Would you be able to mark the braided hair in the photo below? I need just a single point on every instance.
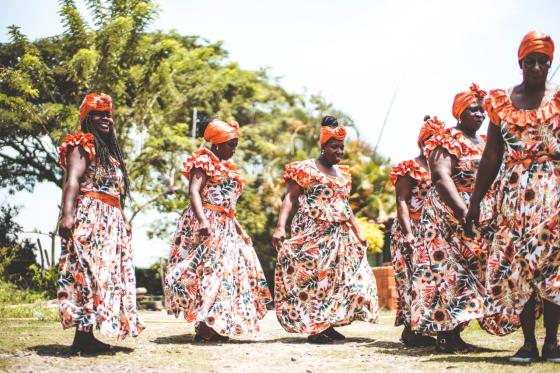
(104, 149)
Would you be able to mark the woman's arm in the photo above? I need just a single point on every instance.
(356, 229)
(489, 167)
(441, 164)
(293, 193)
(403, 190)
(197, 180)
(77, 163)
(241, 232)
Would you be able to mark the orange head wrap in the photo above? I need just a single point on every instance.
(536, 42)
(95, 102)
(219, 131)
(464, 99)
(327, 133)
(430, 127)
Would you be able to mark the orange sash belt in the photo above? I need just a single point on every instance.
(526, 162)
(228, 213)
(105, 198)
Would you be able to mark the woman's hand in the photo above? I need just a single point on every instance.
(278, 237)
(409, 238)
(65, 226)
(362, 239)
(472, 217)
(203, 229)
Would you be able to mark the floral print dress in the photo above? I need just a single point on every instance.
(525, 249)
(401, 252)
(217, 280)
(448, 281)
(322, 275)
(97, 284)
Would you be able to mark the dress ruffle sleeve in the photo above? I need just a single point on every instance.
(205, 160)
(410, 168)
(445, 140)
(300, 172)
(85, 140)
(500, 109)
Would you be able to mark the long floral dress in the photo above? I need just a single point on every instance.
(97, 284)
(217, 280)
(448, 287)
(525, 249)
(322, 275)
(401, 252)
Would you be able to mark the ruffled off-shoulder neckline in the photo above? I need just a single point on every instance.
(302, 172)
(411, 168)
(214, 168)
(79, 138)
(499, 107)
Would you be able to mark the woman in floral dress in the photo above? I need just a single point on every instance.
(524, 139)
(214, 276)
(97, 285)
(449, 267)
(412, 181)
(322, 276)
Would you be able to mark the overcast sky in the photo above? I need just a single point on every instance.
(355, 53)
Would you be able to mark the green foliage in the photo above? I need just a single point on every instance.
(10, 294)
(16, 256)
(156, 80)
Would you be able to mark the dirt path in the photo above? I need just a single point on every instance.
(166, 346)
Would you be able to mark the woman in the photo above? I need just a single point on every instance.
(412, 181)
(524, 139)
(214, 276)
(97, 285)
(322, 276)
(449, 267)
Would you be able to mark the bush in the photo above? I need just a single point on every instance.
(10, 294)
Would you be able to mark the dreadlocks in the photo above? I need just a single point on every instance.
(104, 150)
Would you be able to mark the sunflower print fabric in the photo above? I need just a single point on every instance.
(217, 280)
(97, 284)
(401, 252)
(448, 281)
(322, 276)
(525, 248)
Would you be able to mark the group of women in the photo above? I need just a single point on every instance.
(477, 236)
(464, 247)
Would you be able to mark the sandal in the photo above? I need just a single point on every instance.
(551, 352)
(333, 334)
(319, 339)
(526, 354)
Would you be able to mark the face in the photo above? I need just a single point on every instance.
(102, 121)
(333, 150)
(473, 116)
(535, 68)
(226, 149)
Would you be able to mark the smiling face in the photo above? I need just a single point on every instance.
(473, 116)
(226, 150)
(333, 151)
(102, 121)
(535, 68)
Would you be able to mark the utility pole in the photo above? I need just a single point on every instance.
(194, 122)
(385, 120)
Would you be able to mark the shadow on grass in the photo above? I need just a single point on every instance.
(397, 348)
(189, 339)
(498, 360)
(63, 351)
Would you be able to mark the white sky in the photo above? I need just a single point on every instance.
(353, 52)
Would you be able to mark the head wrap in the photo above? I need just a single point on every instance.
(327, 133)
(219, 131)
(430, 127)
(95, 102)
(536, 42)
(464, 99)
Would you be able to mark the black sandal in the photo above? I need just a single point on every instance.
(551, 352)
(319, 339)
(526, 354)
(333, 334)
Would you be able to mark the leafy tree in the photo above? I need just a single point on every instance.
(157, 79)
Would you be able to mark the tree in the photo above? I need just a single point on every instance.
(157, 79)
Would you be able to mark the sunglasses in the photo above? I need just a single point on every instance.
(532, 61)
